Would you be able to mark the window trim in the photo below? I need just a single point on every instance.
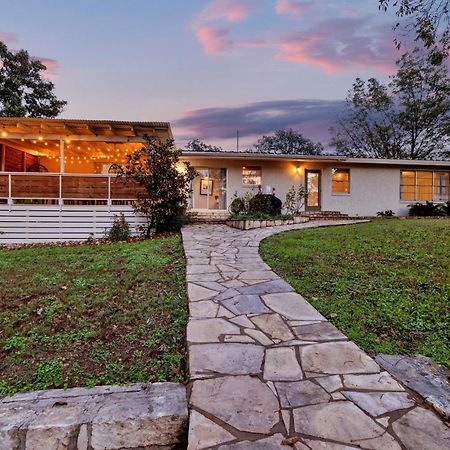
(339, 194)
(415, 171)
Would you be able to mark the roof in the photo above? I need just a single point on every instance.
(316, 158)
(80, 127)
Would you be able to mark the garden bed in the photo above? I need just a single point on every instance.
(250, 224)
(92, 315)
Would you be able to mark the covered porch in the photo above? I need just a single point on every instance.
(58, 177)
(69, 162)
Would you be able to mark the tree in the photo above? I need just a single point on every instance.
(408, 119)
(429, 20)
(24, 92)
(288, 142)
(165, 183)
(196, 145)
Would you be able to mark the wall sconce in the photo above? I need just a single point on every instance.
(298, 170)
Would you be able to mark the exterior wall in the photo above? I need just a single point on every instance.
(373, 188)
(280, 175)
(23, 224)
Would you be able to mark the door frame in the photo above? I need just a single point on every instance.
(319, 207)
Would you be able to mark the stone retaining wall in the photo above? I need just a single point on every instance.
(248, 224)
(151, 416)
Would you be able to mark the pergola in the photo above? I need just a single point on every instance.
(74, 140)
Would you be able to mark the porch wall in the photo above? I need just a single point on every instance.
(23, 224)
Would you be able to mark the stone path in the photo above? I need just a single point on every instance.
(269, 372)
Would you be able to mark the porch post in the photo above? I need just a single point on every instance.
(61, 170)
(61, 155)
(2, 157)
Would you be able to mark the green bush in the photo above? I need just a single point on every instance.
(237, 206)
(120, 230)
(445, 208)
(387, 213)
(426, 209)
(265, 203)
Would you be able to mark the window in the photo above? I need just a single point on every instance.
(340, 181)
(251, 176)
(441, 193)
(422, 185)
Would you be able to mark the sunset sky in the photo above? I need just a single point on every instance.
(209, 67)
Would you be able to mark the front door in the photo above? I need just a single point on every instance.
(313, 181)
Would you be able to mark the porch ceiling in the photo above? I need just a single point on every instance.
(74, 150)
(74, 127)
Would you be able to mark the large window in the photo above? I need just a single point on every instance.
(422, 185)
(251, 176)
(340, 181)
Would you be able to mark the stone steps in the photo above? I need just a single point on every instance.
(210, 216)
(325, 215)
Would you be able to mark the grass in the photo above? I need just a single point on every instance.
(92, 315)
(386, 284)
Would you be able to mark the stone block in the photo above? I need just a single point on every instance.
(156, 416)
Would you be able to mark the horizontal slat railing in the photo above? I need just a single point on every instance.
(70, 189)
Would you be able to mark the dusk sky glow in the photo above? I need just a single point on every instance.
(209, 67)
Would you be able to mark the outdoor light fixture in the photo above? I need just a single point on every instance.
(298, 169)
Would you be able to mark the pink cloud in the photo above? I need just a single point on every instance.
(51, 64)
(214, 40)
(232, 11)
(8, 38)
(335, 45)
(291, 7)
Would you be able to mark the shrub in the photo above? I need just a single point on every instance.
(237, 205)
(425, 209)
(387, 213)
(265, 203)
(295, 199)
(445, 208)
(120, 230)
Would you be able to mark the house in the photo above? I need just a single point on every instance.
(352, 186)
(57, 178)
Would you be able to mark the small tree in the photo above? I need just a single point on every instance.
(24, 92)
(288, 142)
(295, 199)
(165, 181)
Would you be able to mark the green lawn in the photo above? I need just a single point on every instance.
(92, 315)
(386, 284)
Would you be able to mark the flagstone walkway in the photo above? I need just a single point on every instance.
(270, 372)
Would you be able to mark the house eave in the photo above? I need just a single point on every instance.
(315, 158)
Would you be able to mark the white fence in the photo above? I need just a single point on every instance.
(23, 223)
